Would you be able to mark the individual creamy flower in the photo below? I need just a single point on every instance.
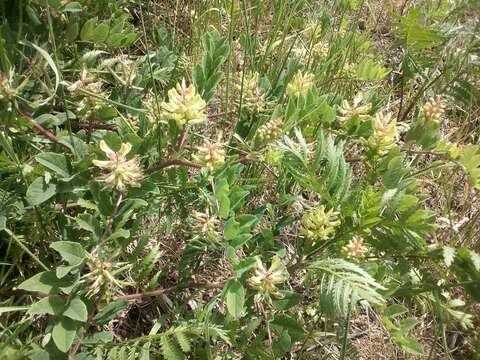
(384, 133)
(300, 84)
(358, 108)
(211, 155)
(318, 224)
(434, 109)
(271, 130)
(355, 248)
(206, 224)
(121, 172)
(184, 106)
(265, 281)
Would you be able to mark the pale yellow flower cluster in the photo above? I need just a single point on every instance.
(265, 280)
(355, 247)
(384, 133)
(211, 155)
(271, 130)
(434, 109)
(184, 106)
(253, 97)
(357, 108)
(300, 84)
(120, 171)
(318, 224)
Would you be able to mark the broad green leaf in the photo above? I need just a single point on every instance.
(76, 310)
(52, 305)
(55, 162)
(245, 265)
(287, 323)
(231, 229)
(90, 223)
(407, 324)
(224, 209)
(395, 310)
(63, 270)
(39, 192)
(46, 282)
(287, 300)
(100, 34)
(88, 29)
(63, 334)
(72, 252)
(282, 344)
(235, 298)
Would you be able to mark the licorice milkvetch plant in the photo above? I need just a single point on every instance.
(238, 179)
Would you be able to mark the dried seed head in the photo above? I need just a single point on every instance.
(300, 84)
(355, 248)
(211, 155)
(120, 171)
(434, 109)
(184, 106)
(271, 130)
(318, 224)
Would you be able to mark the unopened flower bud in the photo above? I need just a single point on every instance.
(318, 224)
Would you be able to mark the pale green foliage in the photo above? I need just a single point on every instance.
(342, 284)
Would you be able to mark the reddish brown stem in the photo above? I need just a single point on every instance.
(41, 129)
(139, 296)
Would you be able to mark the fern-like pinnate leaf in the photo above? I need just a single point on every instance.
(170, 350)
(343, 284)
(183, 341)
(323, 170)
